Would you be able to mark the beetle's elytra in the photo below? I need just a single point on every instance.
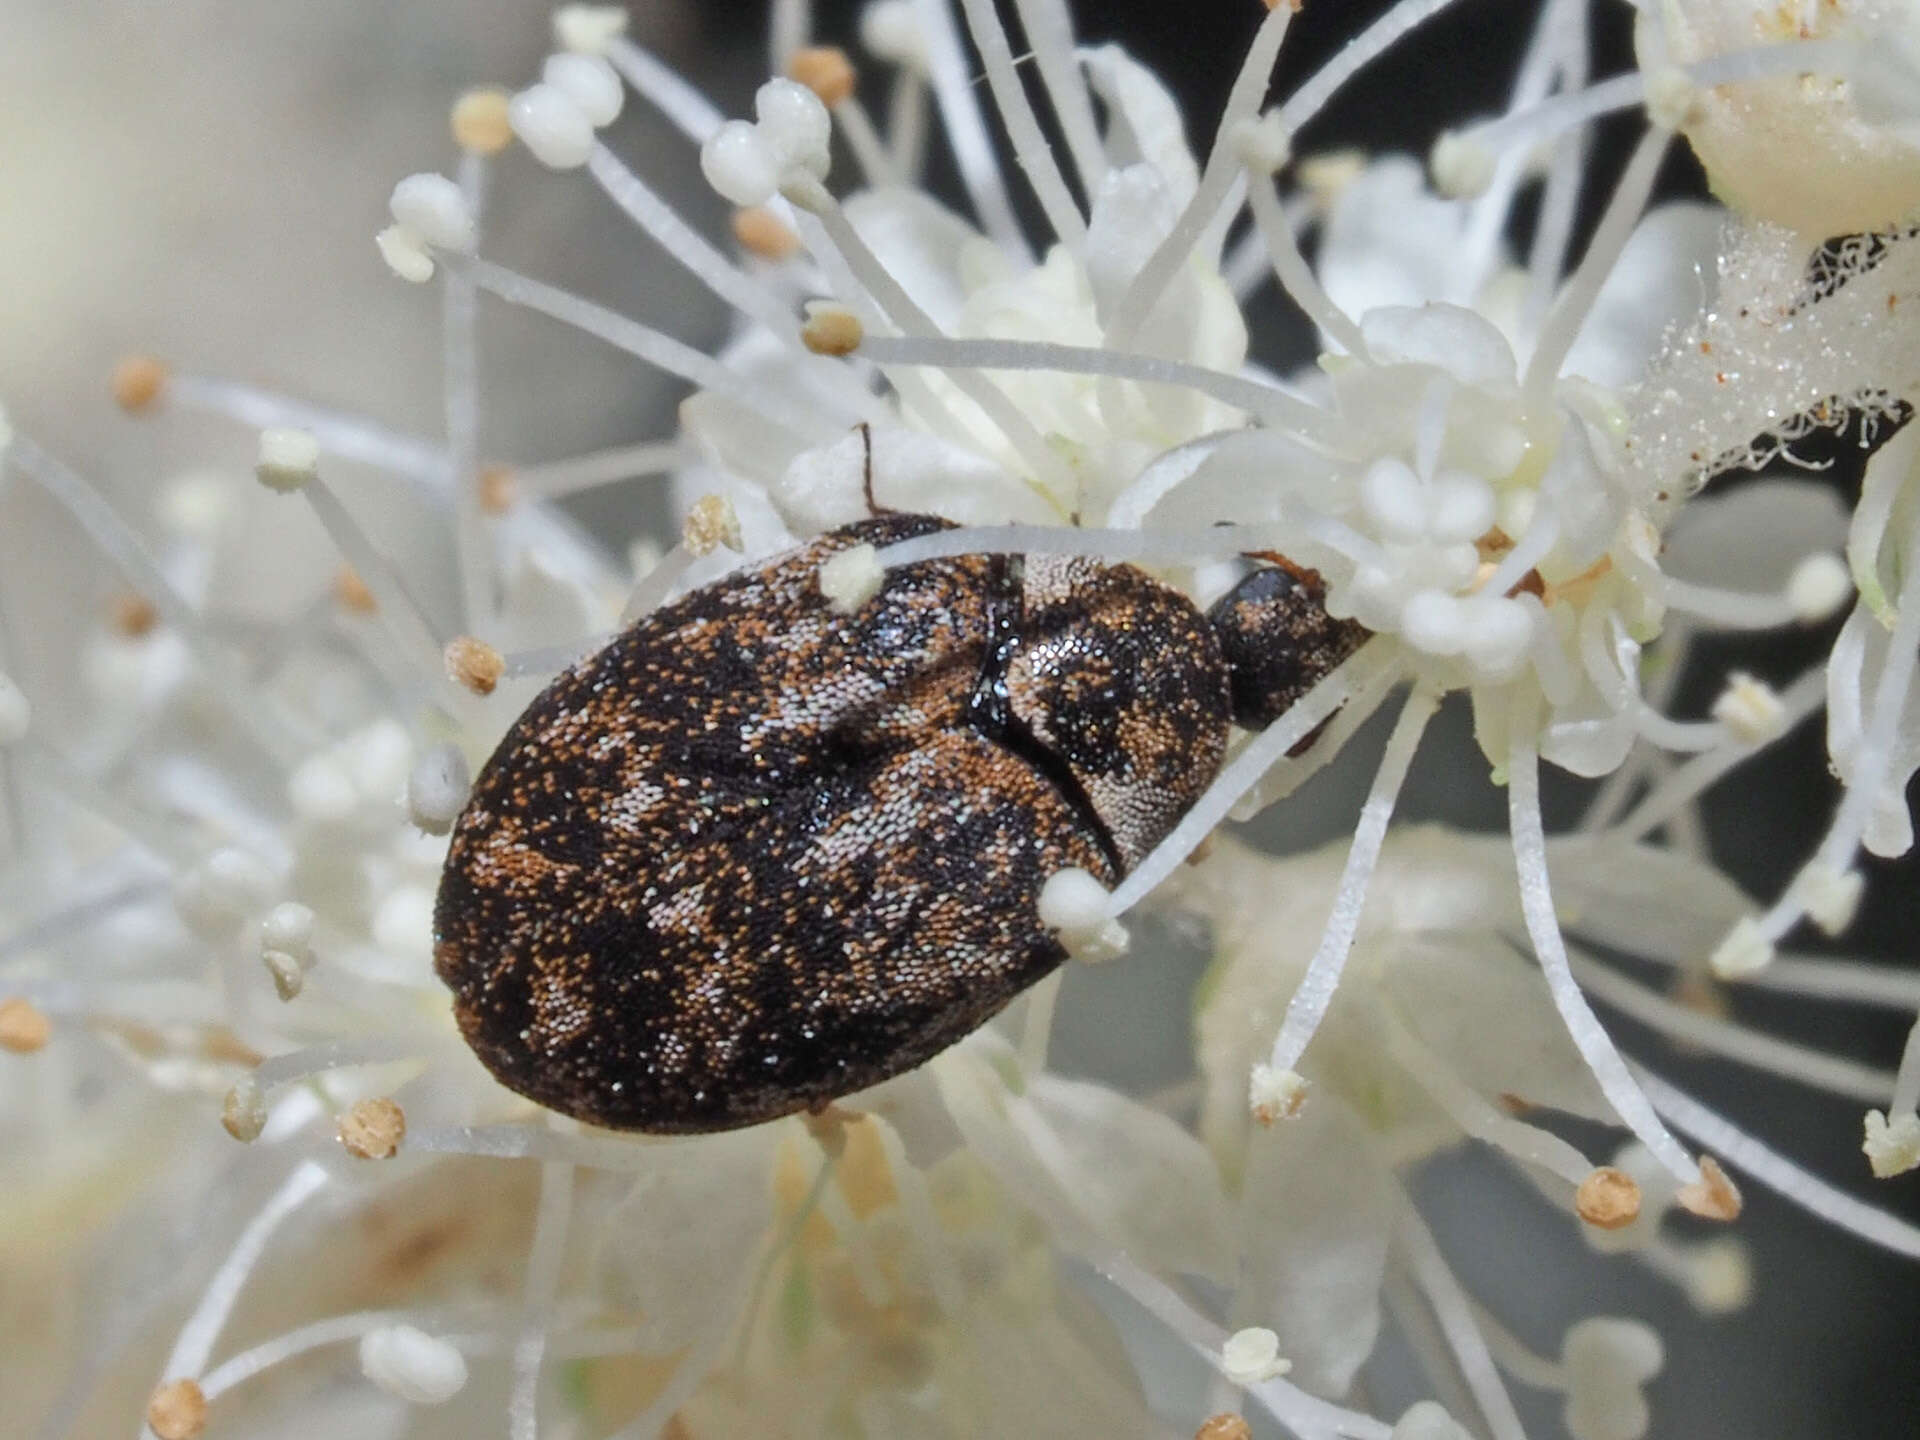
(754, 855)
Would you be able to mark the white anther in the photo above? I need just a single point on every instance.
(289, 458)
(1745, 951)
(1751, 710)
(1892, 1147)
(405, 253)
(740, 164)
(1395, 501)
(1818, 587)
(244, 1113)
(1499, 633)
(890, 30)
(1673, 101)
(16, 712)
(795, 125)
(1274, 1095)
(288, 928)
(588, 29)
(552, 125)
(1607, 1361)
(851, 578)
(215, 895)
(288, 972)
(1264, 145)
(1252, 1356)
(590, 82)
(1434, 621)
(1074, 904)
(1831, 897)
(1461, 507)
(437, 788)
(1462, 167)
(1428, 1421)
(412, 1365)
(1719, 1276)
(432, 207)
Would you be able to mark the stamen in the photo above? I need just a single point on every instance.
(690, 112)
(1699, 774)
(1603, 253)
(194, 1346)
(1217, 180)
(1030, 149)
(295, 1065)
(1856, 982)
(557, 478)
(967, 133)
(276, 735)
(460, 386)
(1040, 457)
(1684, 1025)
(395, 605)
(1543, 926)
(1474, 1114)
(1875, 753)
(1780, 1174)
(1290, 268)
(1115, 545)
(1361, 51)
(1050, 37)
(1308, 1007)
(1906, 1084)
(1276, 407)
(656, 349)
(789, 28)
(341, 436)
(663, 224)
(1244, 771)
(542, 1284)
(1454, 1311)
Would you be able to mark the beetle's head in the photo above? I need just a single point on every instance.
(1278, 639)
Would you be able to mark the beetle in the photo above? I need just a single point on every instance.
(754, 855)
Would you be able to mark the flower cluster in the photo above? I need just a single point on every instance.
(1524, 475)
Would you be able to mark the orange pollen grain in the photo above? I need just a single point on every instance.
(352, 592)
(833, 332)
(178, 1410)
(825, 70)
(23, 1028)
(1608, 1199)
(131, 615)
(1713, 1196)
(763, 233)
(498, 489)
(373, 1129)
(474, 664)
(1224, 1426)
(138, 382)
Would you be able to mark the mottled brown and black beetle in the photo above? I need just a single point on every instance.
(754, 855)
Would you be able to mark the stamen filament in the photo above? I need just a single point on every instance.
(1295, 276)
(1030, 149)
(1543, 927)
(1049, 31)
(967, 133)
(551, 1217)
(556, 478)
(460, 383)
(1454, 1311)
(1315, 993)
(1273, 405)
(661, 86)
(643, 205)
(1779, 1174)
(341, 436)
(1570, 312)
(194, 1346)
(1245, 770)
